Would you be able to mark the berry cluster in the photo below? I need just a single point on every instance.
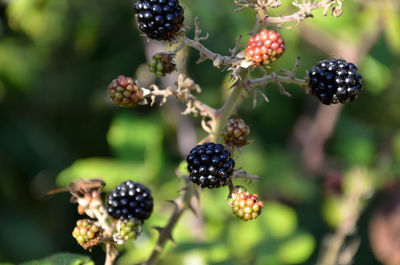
(85, 232)
(159, 19)
(124, 92)
(236, 132)
(210, 165)
(127, 230)
(245, 205)
(265, 47)
(130, 200)
(162, 64)
(334, 81)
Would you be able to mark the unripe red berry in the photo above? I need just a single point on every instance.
(124, 92)
(265, 47)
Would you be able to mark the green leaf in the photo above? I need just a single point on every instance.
(376, 75)
(280, 220)
(18, 63)
(43, 21)
(362, 149)
(333, 210)
(182, 168)
(138, 139)
(62, 259)
(392, 28)
(396, 146)
(111, 171)
(297, 249)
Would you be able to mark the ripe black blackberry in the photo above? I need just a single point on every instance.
(210, 165)
(159, 19)
(334, 81)
(130, 200)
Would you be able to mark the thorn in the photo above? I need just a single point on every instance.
(283, 90)
(168, 234)
(196, 194)
(183, 189)
(158, 228)
(287, 72)
(254, 99)
(264, 96)
(201, 59)
(191, 208)
(172, 240)
(173, 202)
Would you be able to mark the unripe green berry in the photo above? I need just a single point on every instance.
(162, 64)
(127, 230)
(86, 233)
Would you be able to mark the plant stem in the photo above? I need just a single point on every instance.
(181, 204)
(223, 114)
(215, 57)
(277, 79)
(303, 13)
(111, 253)
(353, 203)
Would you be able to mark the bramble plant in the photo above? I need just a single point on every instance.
(211, 163)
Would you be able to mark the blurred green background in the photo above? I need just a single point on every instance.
(57, 124)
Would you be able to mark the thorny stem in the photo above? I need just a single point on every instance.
(207, 54)
(218, 117)
(204, 109)
(277, 79)
(353, 203)
(111, 253)
(226, 111)
(181, 204)
(303, 13)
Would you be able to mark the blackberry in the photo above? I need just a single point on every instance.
(210, 165)
(162, 64)
(127, 230)
(124, 92)
(159, 19)
(236, 132)
(130, 200)
(86, 233)
(245, 205)
(265, 47)
(335, 80)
